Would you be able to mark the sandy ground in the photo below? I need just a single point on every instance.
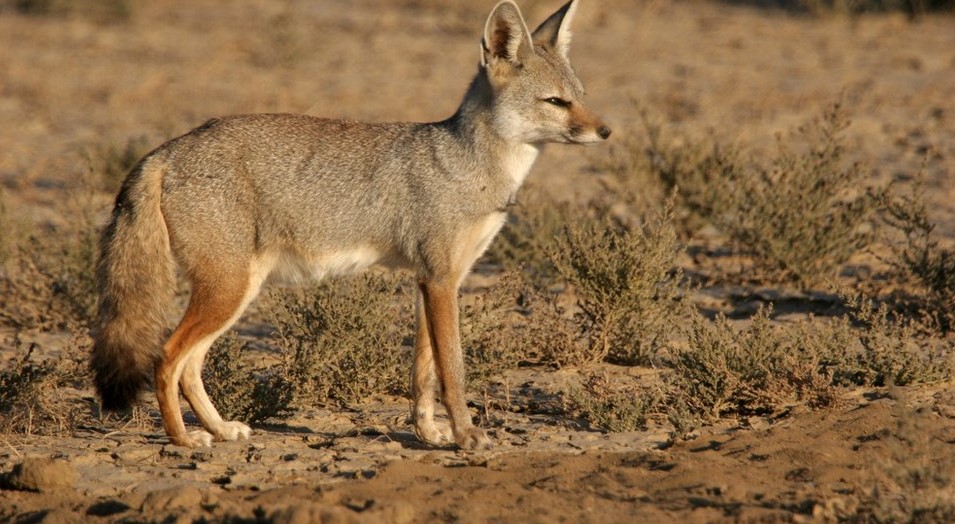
(72, 83)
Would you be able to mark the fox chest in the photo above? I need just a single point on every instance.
(474, 239)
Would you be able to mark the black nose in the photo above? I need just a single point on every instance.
(604, 132)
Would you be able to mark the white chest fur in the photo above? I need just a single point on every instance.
(518, 161)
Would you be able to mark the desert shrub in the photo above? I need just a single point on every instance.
(241, 391)
(756, 370)
(491, 341)
(30, 393)
(919, 260)
(894, 350)
(612, 405)
(51, 280)
(627, 288)
(555, 335)
(799, 216)
(342, 341)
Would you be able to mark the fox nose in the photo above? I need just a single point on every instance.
(604, 132)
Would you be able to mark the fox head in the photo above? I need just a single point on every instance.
(536, 96)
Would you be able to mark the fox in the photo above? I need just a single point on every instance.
(245, 198)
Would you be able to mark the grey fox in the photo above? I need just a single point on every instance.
(242, 197)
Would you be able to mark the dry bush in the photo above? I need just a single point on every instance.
(342, 341)
(800, 215)
(241, 391)
(31, 392)
(612, 404)
(640, 175)
(894, 350)
(759, 369)
(627, 288)
(919, 260)
(756, 370)
(555, 337)
(50, 279)
(491, 340)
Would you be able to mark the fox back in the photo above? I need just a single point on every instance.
(244, 197)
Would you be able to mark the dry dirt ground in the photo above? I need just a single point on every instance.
(73, 82)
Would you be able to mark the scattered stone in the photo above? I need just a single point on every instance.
(41, 474)
(170, 499)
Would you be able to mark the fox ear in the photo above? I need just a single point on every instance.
(505, 36)
(554, 33)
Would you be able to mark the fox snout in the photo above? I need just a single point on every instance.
(587, 128)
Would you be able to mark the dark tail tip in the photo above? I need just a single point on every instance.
(119, 391)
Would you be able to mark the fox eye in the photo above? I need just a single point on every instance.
(559, 102)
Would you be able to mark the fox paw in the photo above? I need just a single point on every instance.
(232, 430)
(472, 438)
(199, 438)
(434, 434)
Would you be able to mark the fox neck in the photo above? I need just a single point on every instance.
(473, 124)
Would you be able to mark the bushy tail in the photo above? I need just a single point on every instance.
(136, 280)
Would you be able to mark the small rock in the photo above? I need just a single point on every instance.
(168, 499)
(42, 474)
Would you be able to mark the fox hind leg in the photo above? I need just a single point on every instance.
(213, 308)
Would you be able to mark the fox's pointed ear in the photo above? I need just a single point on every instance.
(554, 33)
(505, 36)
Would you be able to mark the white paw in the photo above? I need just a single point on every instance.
(232, 430)
(199, 438)
(473, 438)
(434, 433)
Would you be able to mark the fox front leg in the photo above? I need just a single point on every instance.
(441, 313)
